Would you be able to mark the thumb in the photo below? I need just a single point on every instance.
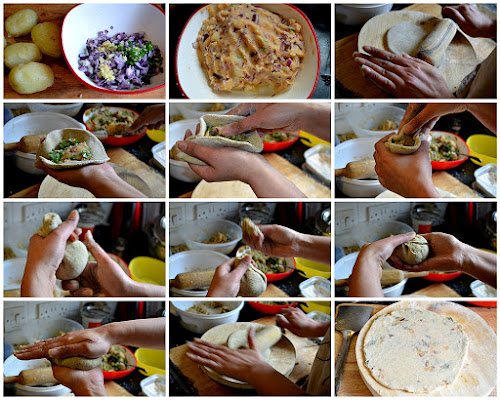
(99, 254)
(67, 227)
(418, 121)
(252, 343)
(455, 15)
(242, 267)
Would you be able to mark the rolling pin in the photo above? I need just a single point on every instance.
(435, 44)
(390, 277)
(192, 280)
(358, 170)
(27, 144)
(33, 377)
(264, 339)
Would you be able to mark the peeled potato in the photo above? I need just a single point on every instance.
(21, 22)
(47, 36)
(21, 53)
(32, 77)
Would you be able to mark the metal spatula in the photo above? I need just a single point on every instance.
(350, 320)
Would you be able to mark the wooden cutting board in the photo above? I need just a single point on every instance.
(154, 180)
(273, 291)
(436, 290)
(306, 351)
(443, 180)
(347, 72)
(114, 389)
(65, 86)
(352, 383)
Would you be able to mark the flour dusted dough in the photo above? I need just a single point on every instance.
(76, 255)
(265, 338)
(415, 350)
(413, 252)
(82, 363)
(405, 37)
(254, 281)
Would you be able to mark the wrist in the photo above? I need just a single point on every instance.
(91, 389)
(259, 372)
(425, 190)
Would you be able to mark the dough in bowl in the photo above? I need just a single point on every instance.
(415, 350)
(413, 252)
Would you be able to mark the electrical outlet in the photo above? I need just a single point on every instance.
(383, 212)
(345, 220)
(177, 217)
(53, 309)
(211, 210)
(34, 212)
(14, 317)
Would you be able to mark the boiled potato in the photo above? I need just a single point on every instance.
(32, 77)
(47, 36)
(21, 22)
(21, 53)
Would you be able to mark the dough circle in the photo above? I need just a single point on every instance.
(415, 350)
(405, 37)
(413, 252)
(81, 363)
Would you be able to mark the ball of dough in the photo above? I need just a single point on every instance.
(32, 77)
(413, 252)
(396, 143)
(76, 257)
(47, 36)
(21, 22)
(82, 363)
(21, 53)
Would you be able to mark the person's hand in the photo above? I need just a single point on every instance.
(238, 364)
(446, 254)
(402, 76)
(276, 240)
(89, 343)
(472, 21)
(409, 175)
(297, 322)
(104, 277)
(81, 383)
(425, 116)
(223, 164)
(227, 278)
(153, 117)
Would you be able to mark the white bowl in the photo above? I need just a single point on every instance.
(195, 232)
(197, 110)
(356, 150)
(37, 123)
(180, 169)
(192, 80)
(364, 119)
(13, 367)
(192, 261)
(200, 323)
(13, 271)
(369, 233)
(84, 21)
(344, 267)
(70, 109)
(355, 14)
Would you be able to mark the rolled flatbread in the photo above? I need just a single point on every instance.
(250, 141)
(405, 37)
(54, 138)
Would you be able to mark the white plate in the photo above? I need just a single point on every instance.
(193, 82)
(84, 21)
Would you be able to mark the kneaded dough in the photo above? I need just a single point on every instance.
(405, 37)
(396, 143)
(254, 281)
(76, 255)
(82, 363)
(415, 350)
(413, 252)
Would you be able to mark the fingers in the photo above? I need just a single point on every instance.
(381, 66)
(75, 235)
(65, 230)
(245, 125)
(96, 250)
(419, 120)
(386, 55)
(83, 292)
(251, 339)
(70, 285)
(455, 15)
(243, 109)
(396, 262)
(410, 112)
(242, 267)
(375, 74)
(188, 134)
(71, 350)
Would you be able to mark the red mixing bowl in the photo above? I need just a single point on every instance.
(279, 145)
(282, 275)
(270, 309)
(447, 276)
(131, 361)
(462, 147)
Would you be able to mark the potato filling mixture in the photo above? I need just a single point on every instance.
(242, 47)
(275, 137)
(70, 149)
(115, 359)
(268, 264)
(114, 122)
(208, 308)
(217, 238)
(444, 148)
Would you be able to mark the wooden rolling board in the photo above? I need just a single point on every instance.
(65, 86)
(436, 290)
(306, 351)
(347, 72)
(114, 389)
(273, 291)
(307, 184)
(443, 180)
(351, 382)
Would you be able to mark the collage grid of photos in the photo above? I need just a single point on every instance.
(243, 93)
